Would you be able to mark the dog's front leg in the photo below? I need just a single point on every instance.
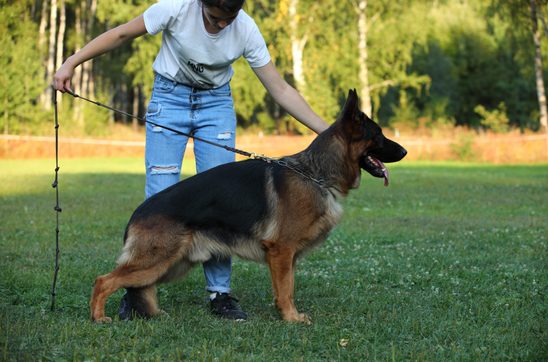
(282, 272)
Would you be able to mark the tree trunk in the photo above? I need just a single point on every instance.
(43, 25)
(112, 99)
(61, 39)
(87, 79)
(50, 65)
(77, 77)
(135, 107)
(86, 37)
(41, 41)
(538, 70)
(278, 118)
(365, 91)
(297, 47)
(6, 129)
(124, 102)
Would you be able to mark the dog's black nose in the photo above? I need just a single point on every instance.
(403, 152)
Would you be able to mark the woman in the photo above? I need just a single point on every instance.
(191, 93)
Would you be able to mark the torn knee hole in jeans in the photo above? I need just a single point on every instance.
(163, 169)
(225, 135)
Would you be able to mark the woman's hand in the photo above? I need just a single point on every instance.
(61, 79)
(98, 46)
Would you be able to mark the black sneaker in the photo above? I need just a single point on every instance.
(223, 305)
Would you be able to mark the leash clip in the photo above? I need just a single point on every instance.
(255, 156)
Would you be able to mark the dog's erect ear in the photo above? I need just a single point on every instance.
(349, 117)
(351, 106)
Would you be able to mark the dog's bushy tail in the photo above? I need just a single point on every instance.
(135, 304)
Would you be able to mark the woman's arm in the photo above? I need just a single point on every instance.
(288, 98)
(98, 46)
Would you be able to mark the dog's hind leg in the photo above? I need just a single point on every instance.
(105, 285)
(123, 276)
(280, 259)
(141, 286)
(149, 257)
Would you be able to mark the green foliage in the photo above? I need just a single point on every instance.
(496, 120)
(471, 57)
(462, 147)
(248, 94)
(21, 68)
(139, 66)
(330, 57)
(441, 100)
(406, 113)
(413, 272)
(430, 72)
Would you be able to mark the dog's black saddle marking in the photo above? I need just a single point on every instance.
(225, 201)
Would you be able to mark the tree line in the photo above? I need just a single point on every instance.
(414, 63)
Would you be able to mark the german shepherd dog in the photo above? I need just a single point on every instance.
(260, 211)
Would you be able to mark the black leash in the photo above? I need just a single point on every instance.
(56, 208)
(252, 155)
(247, 154)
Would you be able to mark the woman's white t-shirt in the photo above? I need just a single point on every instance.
(190, 55)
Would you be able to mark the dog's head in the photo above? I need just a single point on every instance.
(367, 142)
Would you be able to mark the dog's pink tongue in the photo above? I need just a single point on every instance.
(385, 170)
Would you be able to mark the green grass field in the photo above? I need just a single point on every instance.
(448, 263)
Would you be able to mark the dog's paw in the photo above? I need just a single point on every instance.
(305, 318)
(162, 313)
(299, 317)
(103, 320)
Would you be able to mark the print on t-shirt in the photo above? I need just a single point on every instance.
(194, 65)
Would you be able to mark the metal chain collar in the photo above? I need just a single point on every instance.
(254, 156)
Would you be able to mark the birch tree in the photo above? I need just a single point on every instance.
(363, 27)
(42, 41)
(541, 92)
(297, 45)
(87, 79)
(50, 64)
(77, 77)
(43, 25)
(60, 39)
(524, 14)
(395, 36)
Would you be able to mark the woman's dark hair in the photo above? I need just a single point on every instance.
(232, 6)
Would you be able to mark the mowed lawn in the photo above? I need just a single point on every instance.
(448, 263)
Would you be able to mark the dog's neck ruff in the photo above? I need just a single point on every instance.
(320, 182)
